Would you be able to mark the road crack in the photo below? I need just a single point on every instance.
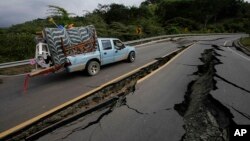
(97, 121)
(216, 39)
(88, 104)
(241, 113)
(231, 83)
(140, 112)
(137, 111)
(120, 101)
(205, 118)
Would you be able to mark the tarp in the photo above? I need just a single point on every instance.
(71, 37)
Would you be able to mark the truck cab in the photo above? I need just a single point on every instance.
(113, 50)
(109, 50)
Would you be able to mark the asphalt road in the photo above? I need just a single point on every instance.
(149, 113)
(234, 84)
(46, 92)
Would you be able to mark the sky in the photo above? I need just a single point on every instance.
(19, 11)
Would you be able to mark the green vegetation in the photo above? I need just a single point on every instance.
(155, 17)
(16, 46)
(245, 42)
(16, 70)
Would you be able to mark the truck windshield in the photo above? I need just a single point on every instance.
(118, 44)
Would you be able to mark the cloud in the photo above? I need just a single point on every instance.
(19, 11)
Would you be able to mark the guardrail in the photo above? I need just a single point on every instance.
(134, 42)
(14, 64)
(171, 36)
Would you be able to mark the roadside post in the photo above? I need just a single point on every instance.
(139, 31)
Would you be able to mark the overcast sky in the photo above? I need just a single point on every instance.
(19, 11)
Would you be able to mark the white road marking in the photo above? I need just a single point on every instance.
(171, 60)
(239, 54)
(225, 43)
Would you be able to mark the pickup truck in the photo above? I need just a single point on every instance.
(109, 50)
(78, 49)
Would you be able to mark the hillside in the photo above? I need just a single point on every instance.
(155, 17)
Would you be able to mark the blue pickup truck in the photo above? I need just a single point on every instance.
(109, 50)
(77, 49)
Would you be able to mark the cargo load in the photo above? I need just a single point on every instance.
(55, 44)
(64, 42)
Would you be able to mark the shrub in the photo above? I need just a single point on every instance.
(16, 47)
(182, 23)
(173, 30)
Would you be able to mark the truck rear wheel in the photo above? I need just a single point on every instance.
(131, 57)
(93, 68)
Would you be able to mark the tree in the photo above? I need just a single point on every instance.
(63, 14)
(117, 13)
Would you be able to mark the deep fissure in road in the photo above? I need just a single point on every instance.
(104, 97)
(205, 118)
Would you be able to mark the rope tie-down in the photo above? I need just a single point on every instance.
(26, 82)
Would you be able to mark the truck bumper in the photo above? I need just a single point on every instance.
(74, 68)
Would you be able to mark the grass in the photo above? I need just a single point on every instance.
(245, 42)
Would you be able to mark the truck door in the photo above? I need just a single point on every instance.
(107, 53)
(120, 50)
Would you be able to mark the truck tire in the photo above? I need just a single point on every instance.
(93, 67)
(131, 57)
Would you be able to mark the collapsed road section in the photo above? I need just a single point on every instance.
(205, 117)
(102, 97)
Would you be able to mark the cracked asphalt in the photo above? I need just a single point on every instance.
(149, 114)
(233, 81)
(48, 91)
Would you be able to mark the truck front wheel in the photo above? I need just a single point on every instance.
(131, 57)
(93, 68)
